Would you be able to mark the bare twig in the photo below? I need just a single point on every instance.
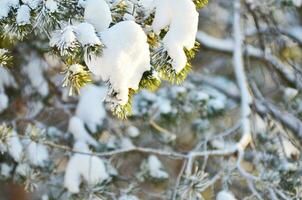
(246, 98)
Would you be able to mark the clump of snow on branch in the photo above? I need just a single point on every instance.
(51, 5)
(97, 13)
(182, 20)
(155, 168)
(77, 128)
(81, 167)
(64, 39)
(23, 15)
(13, 146)
(33, 4)
(90, 108)
(131, 49)
(86, 35)
(6, 5)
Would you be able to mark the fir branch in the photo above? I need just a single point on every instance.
(5, 133)
(118, 10)
(93, 50)
(162, 63)
(5, 58)
(76, 77)
(150, 81)
(14, 32)
(124, 111)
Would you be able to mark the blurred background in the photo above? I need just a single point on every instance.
(202, 112)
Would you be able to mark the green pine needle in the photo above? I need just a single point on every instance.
(149, 81)
(118, 11)
(76, 77)
(168, 73)
(200, 3)
(5, 58)
(124, 111)
(161, 61)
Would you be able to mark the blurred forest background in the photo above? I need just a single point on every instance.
(202, 115)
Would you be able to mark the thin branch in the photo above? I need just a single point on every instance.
(246, 98)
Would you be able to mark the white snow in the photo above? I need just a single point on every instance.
(34, 70)
(36, 153)
(225, 195)
(148, 5)
(164, 105)
(90, 168)
(125, 58)
(63, 39)
(6, 79)
(155, 168)
(22, 169)
(12, 3)
(51, 5)
(4, 9)
(6, 5)
(90, 108)
(128, 197)
(3, 102)
(132, 131)
(23, 15)
(289, 93)
(33, 4)
(289, 149)
(126, 143)
(15, 148)
(97, 13)
(77, 128)
(182, 19)
(86, 34)
(297, 3)
(6, 170)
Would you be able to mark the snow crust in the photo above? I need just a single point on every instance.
(89, 168)
(125, 58)
(182, 20)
